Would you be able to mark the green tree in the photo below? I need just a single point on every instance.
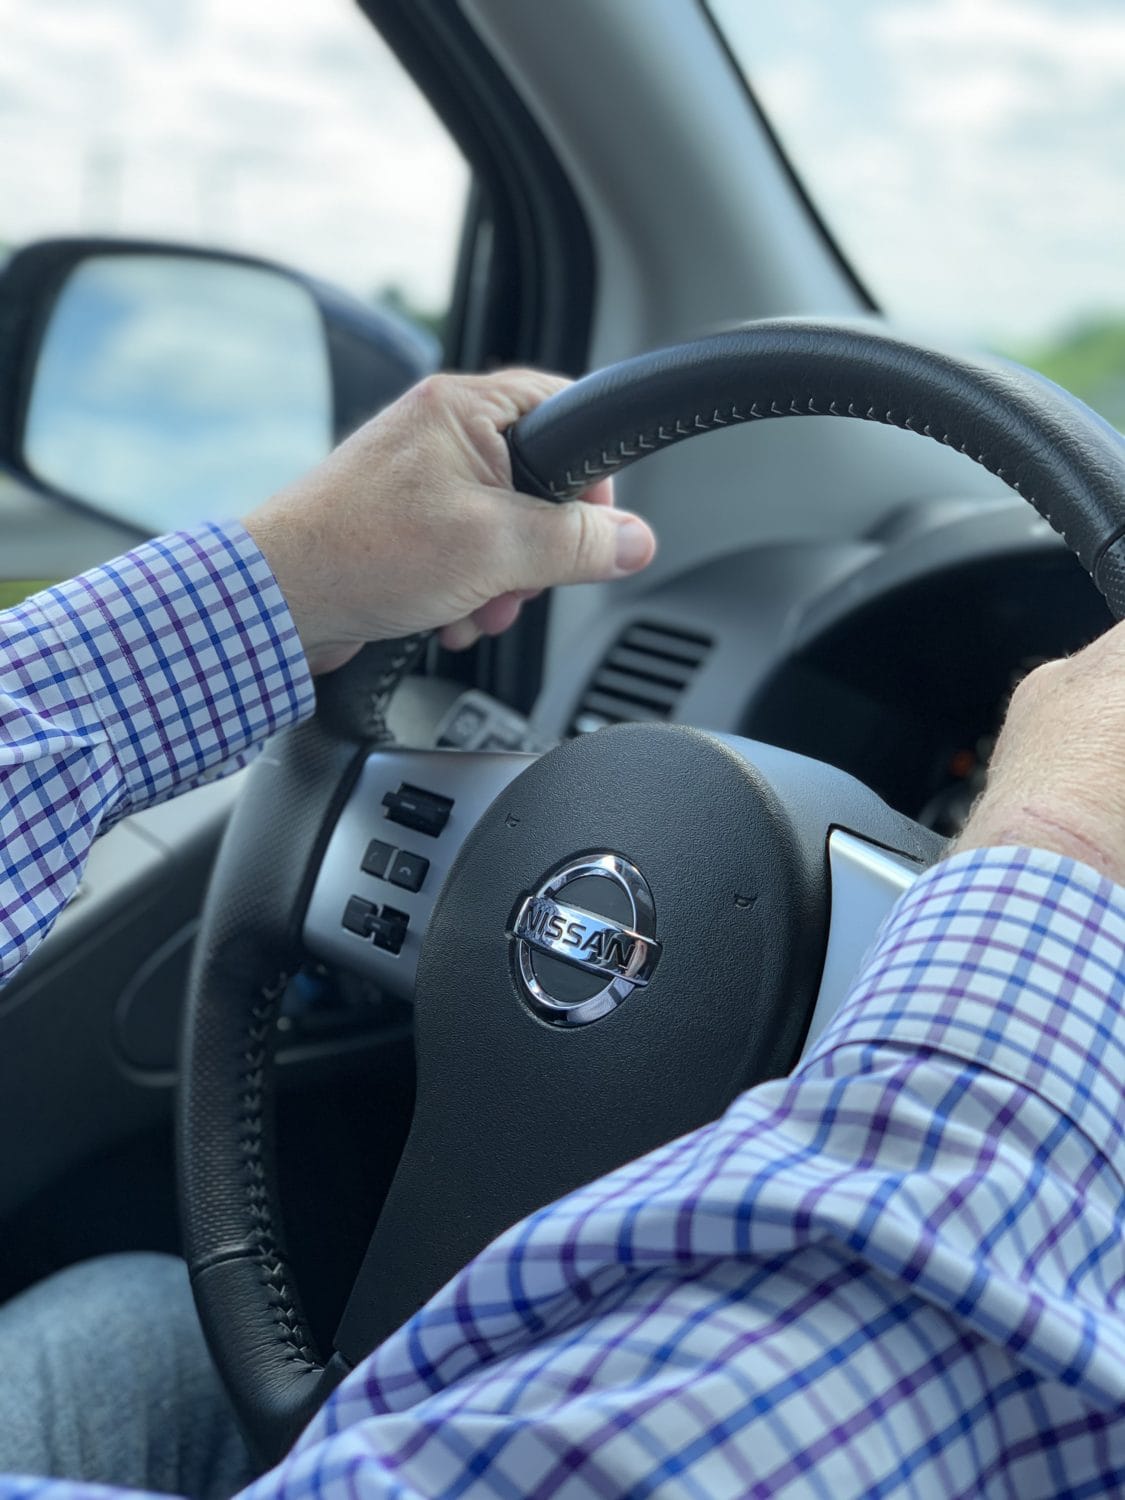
(1088, 359)
(393, 297)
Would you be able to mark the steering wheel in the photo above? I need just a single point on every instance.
(605, 944)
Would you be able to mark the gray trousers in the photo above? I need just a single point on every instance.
(104, 1376)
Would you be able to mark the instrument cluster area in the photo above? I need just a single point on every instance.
(907, 689)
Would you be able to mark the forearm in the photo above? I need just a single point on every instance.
(122, 687)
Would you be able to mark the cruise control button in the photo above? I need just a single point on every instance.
(377, 858)
(425, 812)
(408, 870)
(359, 915)
(389, 931)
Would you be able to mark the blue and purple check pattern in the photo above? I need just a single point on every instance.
(123, 686)
(899, 1271)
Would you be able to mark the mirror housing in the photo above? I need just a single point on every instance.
(161, 385)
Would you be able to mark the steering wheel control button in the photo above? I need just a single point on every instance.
(408, 870)
(359, 916)
(363, 841)
(376, 858)
(424, 812)
(389, 930)
(585, 939)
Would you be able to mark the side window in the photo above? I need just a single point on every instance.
(289, 132)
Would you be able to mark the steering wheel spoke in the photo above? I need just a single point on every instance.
(392, 847)
(864, 882)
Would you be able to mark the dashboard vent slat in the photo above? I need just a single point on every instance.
(657, 695)
(674, 645)
(642, 676)
(645, 664)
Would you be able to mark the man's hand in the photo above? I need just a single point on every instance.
(1057, 779)
(412, 524)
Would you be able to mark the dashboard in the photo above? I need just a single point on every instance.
(892, 657)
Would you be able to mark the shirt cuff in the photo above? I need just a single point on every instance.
(187, 653)
(1011, 959)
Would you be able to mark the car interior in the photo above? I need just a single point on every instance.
(841, 590)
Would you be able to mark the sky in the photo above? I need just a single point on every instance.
(968, 154)
(170, 392)
(279, 127)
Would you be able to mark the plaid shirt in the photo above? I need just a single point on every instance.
(898, 1271)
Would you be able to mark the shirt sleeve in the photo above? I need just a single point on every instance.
(132, 682)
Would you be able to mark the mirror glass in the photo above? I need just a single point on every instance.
(170, 390)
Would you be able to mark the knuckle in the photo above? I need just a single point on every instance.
(1034, 686)
(433, 392)
(435, 387)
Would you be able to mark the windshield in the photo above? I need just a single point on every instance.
(969, 157)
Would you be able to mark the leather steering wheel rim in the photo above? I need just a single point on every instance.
(1042, 442)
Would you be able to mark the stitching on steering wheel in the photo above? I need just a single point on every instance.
(574, 484)
(251, 1134)
(255, 1059)
(379, 693)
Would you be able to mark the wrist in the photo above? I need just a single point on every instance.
(291, 559)
(1067, 829)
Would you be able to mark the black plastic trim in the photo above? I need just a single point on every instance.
(541, 237)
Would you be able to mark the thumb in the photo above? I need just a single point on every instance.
(574, 542)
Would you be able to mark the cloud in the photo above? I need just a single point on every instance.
(967, 153)
(172, 391)
(288, 131)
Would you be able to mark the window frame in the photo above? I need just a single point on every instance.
(525, 281)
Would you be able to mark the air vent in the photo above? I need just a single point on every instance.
(643, 676)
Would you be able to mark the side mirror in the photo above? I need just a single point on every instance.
(162, 386)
